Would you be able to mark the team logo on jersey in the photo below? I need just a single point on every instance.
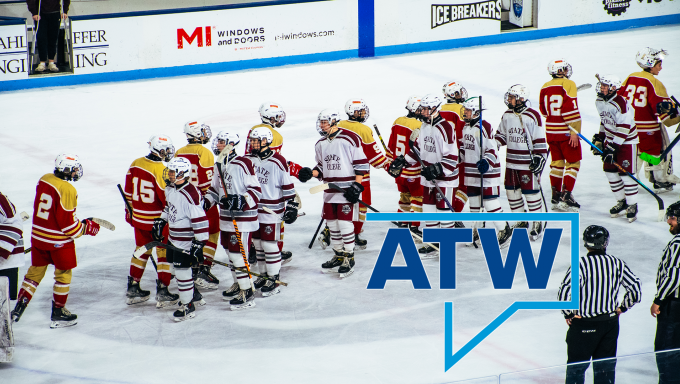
(346, 209)
(438, 197)
(268, 229)
(333, 162)
(233, 239)
(448, 13)
(517, 6)
(626, 163)
(616, 7)
(525, 179)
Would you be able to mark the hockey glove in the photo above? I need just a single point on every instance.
(294, 169)
(537, 164)
(233, 202)
(432, 171)
(353, 193)
(90, 228)
(667, 107)
(397, 166)
(196, 252)
(608, 152)
(291, 212)
(206, 205)
(157, 231)
(597, 141)
(482, 166)
(305, 174)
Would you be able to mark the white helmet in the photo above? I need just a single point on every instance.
(560, 64)
(272, 114)
(330, 115)
(162, 147)
(648, 57)
(180, 168)
(261, 133)
(198, 131)
(521, 94)
(451, 88)
(413, 103)
(432, 102)
(613, 81)
(224, 138)
(64, 166)
(356, 105)
(472, 104)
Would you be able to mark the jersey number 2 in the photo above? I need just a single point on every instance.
(44, 206)
(143, 189)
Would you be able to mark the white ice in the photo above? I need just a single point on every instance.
(319, 329)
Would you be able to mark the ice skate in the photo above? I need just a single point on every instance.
(244, 299)
(19, 309)
(568, 204)
(286, 257)
(260, 281)
(359, 243)
(555, 200)
(428, 252)
(185, 312)
(164, 298)
(270, 287)
(231, 292)
(418, 232)
(61, 317)
(347, 267)
(536, 231)
(662, 186)
(476, 242)
(324, 238)
(198, 298)
(521, 224)
(458, 224)
(333, 264)
(619, 208)
(205, 279)
(401, 224)
(631, 212)
(504, 236)
(134, 293)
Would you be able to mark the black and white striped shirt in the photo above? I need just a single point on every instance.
(668, 275)
(601, 277)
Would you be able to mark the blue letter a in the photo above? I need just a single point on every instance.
(384, 270)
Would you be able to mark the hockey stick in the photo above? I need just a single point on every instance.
(381, 139)
(101, 222)
(531, 153)
(277, 216)
(656, 160)
(658, 199)
(414, 135)
(316, 233)
(129, 209)
(337, 188)
(24, 216)
(265, 277)
(583, 87)
(318, 188)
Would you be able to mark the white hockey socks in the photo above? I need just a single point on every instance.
(259, 252)
(631, 189)
(185, 283)
(515, 200)
(272, 257)
(346, 229)
(616, 185)
(534, 202)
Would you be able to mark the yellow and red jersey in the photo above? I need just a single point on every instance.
(202, 162)
(277, 139)
(54, 214)
(398, 143)
(453, 113)
(644, 92)
(145, 191)
(559, 106)
(368, 144)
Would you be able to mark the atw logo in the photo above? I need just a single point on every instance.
(196, 35)
(502, 272)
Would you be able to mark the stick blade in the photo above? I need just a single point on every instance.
(24, 216)
(318, 188)
(583, 87)
(104, 223)
(224, 153)
(142, 250)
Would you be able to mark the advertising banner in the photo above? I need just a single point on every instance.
(555, 13)
(13, 52)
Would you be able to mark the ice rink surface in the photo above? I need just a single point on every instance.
(319, 329)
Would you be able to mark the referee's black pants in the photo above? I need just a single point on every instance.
(668, 337)
(593, 338)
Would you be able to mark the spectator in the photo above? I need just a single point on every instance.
(47, 15)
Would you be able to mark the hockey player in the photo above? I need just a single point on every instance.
(522, 131)
(436, 148)
(238, 193)
(452, 112)
(478, 156)
(357, 114)
(202, 163)
(645, 92)
(11, 245)
(277, 195)
(188, 228)
(559, 107)
(55, 225)
(340, 159)
(145, 192)
(408, 182)
(618, 139)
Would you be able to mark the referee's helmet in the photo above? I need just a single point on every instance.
(596, 237)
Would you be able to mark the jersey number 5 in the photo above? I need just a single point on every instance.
(401, 145)
(44, 206)
(143, 189)
(639, 98)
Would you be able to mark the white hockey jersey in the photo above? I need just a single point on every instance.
(513, 131)
(11, 235)
(470, 155)
(436, 143)
(185, 216)
(239, 179)
(339, 159)
(617, 120)
(277, 187)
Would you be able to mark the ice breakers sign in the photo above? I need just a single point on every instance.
(448, 13)
(502, 274)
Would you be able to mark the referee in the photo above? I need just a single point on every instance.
(594, 327)
(666, 307)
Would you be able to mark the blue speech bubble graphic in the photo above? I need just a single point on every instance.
(535, 271)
